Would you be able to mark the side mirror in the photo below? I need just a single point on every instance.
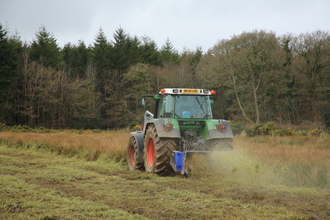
(144, 102)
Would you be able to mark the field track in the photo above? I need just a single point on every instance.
(41, 185)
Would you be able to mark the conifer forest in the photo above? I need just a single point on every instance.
(258, 75)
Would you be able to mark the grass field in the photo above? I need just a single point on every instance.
(84, 176)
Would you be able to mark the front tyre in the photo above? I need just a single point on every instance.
(132, 155)
(157, 153)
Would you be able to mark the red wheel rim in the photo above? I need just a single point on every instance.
(131, 154)
(151, 153)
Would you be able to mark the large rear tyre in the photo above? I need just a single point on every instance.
(157, 153)
(133, 154)
(221, 144)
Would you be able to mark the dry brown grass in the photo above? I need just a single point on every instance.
(306, 150)
(294, 161)
(110, 143)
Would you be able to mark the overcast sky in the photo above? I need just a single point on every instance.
(187, 23)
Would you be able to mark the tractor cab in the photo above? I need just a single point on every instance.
(185, 107)
(182, 104)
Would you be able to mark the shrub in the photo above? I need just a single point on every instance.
(267, 128)
(76, 131)
(237, 128)
(254, 130)
(137, 128)
(88, 131)
(2, 126)
(260, 129)
(19, 128)
(285, 132)
(302, 133)
(316, 132)
(132, 124)
(96, 131)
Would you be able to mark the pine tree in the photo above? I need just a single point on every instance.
(101, 54)
(45, 49)
(121, 53)
(76, 58)
(168, 53)
(149, 52)
(8, 65)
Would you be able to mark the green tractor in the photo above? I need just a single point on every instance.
(181, 124)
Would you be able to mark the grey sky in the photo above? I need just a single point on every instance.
(187, 23)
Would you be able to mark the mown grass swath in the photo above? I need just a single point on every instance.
(265, 177)
(292, 161)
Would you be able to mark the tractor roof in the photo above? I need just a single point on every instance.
(184, 91)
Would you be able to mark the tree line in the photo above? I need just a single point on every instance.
(258, 76)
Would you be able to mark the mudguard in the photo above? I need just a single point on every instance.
(215, 133)
(139, 137)
(159, 123)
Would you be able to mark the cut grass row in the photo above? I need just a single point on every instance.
(39, 185)
(35, 185)
(292, 161)
(257, 181)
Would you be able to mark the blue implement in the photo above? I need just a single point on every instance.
(178, 161)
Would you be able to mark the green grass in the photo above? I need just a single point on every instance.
(38, 184)
(33, 186)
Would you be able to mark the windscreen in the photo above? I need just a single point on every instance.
(188, 106)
